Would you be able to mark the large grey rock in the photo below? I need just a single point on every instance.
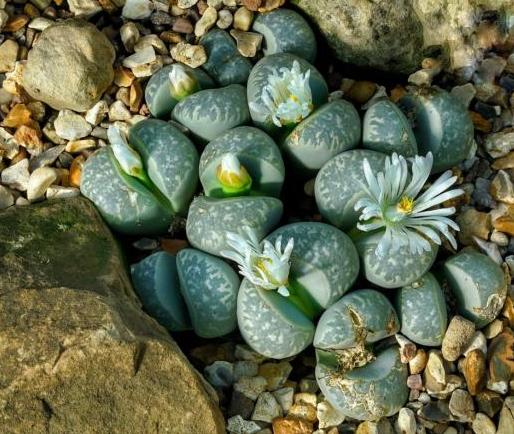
(392, 35)
(70, 66)
(77, 353)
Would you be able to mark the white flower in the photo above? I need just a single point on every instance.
(128, 158)
(182, 82)
(287, 97)
(231, 173)
(393, 202)
(266, 267)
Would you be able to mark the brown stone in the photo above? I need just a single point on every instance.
(252, 5)
(123, 77)
(500, 357)
(480, 123)
(506, 162)
(303, 411)
(474, 370)
(503, 219)
(508, 311)
(489, 402)
(361, 91)
(269, 5)
(291, 426)
(77, 353)
(19, 115)
(182, 25)
(473, 223)
(458, 335)
(135, 96)
(76, 171)
(30, 137)
(16, 23)
(502, 188)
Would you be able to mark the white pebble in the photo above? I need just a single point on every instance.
(225, 19)
(137, 9)
(205, 23)
(142, 57)
(406, 423)
(129, 34)
(327, 415)
(71, 126)
(96, 114)
(39, 182)
(60, 192)
(17, 176)
(118, 112)
(478, 341)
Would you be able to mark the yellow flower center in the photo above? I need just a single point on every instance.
(405, 205)
(232, 179)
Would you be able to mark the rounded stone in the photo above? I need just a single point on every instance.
(70, 66)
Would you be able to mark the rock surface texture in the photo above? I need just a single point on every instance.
(77, 353)
(70, 66)
(394, 35)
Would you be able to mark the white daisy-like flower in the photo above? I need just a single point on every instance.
(128, 158)
(287, 97)
(231, 173)
(182, 82)
(393, 202)
(266, 266)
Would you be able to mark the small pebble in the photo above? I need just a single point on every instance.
(60, 192)
(266, 408)
(474, 371)
(291, 426)
(478, 341)
(435, 367)
(71, 126)
(304, 411)
(220, 374)
(129, 34)
(237, 425)
(493, 329)
(458, 335)
(137, 9)
(225, 19)
(327, 415)
(284, 397)
(418, 362)
(8, 55)
(406, 422)
(17, 176)
(39, 182)
(247, 42)
(461, 405)
(206, 22)
(483, 425)
(119, 112)
(243, 19)
(192, 55)
(489, 402)
(275, 374)
(96, 114)
(244, 352)
(251, 387)
(142, 57)
(407, 348)
(245, 368)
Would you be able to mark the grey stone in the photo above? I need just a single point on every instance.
(392, 35)
(240, 405)
(251, 387)
(220, 374)
(461, 405)
(84, 338)
(237, 425)
(483, 425)
(506, 422)
(266, 408)
(79, 71)
(17, 176)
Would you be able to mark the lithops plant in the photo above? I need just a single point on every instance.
(403, 222)
(208, 113)
(375, 390)
(421, 308)
(333, 128)
(361, 317)
(211, 219)
(442, 126)
(286, 288)
(283, 89)
(386, 129)
(242, 161)
(347, 366)
(338, 185)
(139, 189)
(286, 31)
(224, 62)
(479, 284)
(171, 84)
(193, 290)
